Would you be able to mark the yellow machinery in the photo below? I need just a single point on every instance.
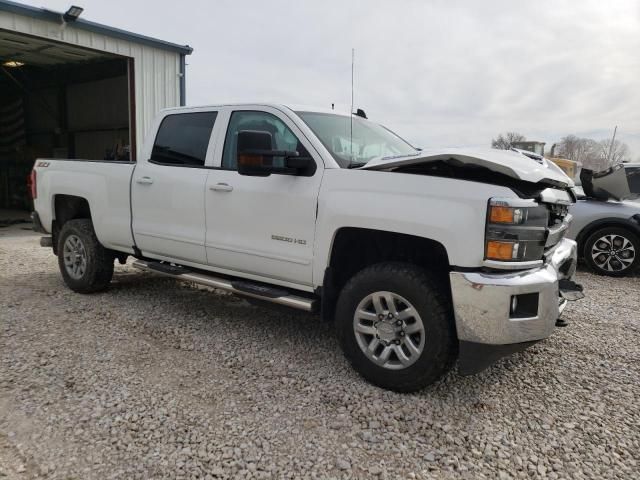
(570, 167)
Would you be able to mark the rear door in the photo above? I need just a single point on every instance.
(262, 226)
(168, 188)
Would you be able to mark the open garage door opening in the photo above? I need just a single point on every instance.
(59, 101)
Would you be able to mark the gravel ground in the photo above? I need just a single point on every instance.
(155, 379)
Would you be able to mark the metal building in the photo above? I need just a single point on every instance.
(71, 88)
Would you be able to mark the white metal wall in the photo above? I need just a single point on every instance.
(157, 80)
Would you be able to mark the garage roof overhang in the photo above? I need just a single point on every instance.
(43, 52)
(49, 15)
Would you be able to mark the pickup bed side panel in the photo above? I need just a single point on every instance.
(449, 211)
(105, 186)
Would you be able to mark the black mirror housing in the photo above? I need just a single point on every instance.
(255, 156)
(251, 148)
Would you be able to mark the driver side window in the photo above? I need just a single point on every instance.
(282, 137)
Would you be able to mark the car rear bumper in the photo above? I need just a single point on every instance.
(499, 313)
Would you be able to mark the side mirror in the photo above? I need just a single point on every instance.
(255, 156)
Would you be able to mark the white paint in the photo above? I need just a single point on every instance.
(507, 162)
(105, 186)
(177, 217)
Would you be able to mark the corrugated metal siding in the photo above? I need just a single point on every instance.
(157, 80)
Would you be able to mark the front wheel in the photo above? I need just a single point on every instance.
(86, 266)
(612, 251)
(395, 326)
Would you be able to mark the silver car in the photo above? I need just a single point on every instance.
(607, 230)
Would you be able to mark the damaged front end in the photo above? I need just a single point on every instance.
(515, 298)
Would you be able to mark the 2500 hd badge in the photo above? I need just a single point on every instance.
(297, 241)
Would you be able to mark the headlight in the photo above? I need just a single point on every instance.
(503, 214)
(516, 230)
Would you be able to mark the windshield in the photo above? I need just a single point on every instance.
(369, 140)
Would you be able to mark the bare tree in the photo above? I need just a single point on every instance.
(571, 147)
(584, 150)
(506, 141)
(618, 152)
(592, 154)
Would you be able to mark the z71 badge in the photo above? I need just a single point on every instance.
(297, 241)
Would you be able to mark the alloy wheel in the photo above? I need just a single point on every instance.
(613, 253)
(75, 257)
(389, 330)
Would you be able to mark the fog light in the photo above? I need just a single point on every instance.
(524, 305)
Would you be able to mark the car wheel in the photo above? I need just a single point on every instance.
(395, 326)
(86, 266)
(612, 251)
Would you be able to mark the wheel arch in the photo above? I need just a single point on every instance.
(632, 225)
(355, 248)
(65, 208)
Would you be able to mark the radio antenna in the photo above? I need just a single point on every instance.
(353, 56)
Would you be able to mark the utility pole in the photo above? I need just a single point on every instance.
(613, 139)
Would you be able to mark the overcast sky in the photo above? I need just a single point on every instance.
(449, 73)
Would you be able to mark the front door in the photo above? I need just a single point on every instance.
(168, 190)
(262, 226)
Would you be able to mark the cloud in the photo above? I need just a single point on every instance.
(439, 73)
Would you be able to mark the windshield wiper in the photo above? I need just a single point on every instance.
(392, 157)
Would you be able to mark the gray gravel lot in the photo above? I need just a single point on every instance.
(155, 379)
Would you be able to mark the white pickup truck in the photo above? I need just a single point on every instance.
(420, 257)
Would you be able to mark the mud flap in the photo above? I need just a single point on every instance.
(475, 357)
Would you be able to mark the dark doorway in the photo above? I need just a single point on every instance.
(59, 101)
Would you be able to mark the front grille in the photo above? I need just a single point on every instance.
(556, 227)
(557, 213)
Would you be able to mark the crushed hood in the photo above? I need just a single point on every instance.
(507, 162)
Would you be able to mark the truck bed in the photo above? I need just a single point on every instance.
(105, 184)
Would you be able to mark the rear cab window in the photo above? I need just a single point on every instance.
(183, 139)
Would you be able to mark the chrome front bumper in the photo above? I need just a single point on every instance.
(482, 301)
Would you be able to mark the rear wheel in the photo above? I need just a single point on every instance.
(395, 327)
(612, 251)
(86, 266)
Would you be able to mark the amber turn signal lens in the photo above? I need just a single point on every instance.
(248, 160)
(500, 250)
(499, 214)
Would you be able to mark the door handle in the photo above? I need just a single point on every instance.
(144, 180)
(221, 187)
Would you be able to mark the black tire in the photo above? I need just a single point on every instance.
(432, 303)
(617, 233)
(99, 261)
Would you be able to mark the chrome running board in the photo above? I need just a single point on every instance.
(247, 288)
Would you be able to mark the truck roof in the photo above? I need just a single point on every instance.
(293, 107)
